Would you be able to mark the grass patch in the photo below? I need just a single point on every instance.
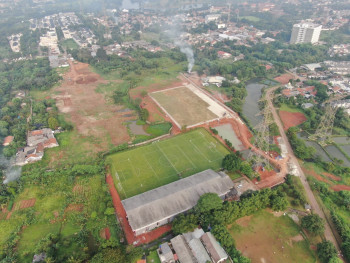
(70, 44)
(159, 129)
(144, 168)
(272, 238)
(233, 175)
(33, 234)
(250, 18)
(153, 257)
(285, 107)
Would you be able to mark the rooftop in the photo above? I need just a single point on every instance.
(174, 198)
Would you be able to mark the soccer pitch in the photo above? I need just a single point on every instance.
(147, 167)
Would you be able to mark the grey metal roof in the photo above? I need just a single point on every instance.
(199, 251)
(174, 198)
(213, 247)
(166, 252)
(182, 250)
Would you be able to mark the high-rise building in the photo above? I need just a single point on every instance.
(305, 32)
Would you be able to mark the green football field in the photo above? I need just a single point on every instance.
(147, 167)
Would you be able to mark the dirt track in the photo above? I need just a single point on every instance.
(310, 196)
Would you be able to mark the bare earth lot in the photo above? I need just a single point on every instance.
(187, 105)
(89, 112)
(266, 238)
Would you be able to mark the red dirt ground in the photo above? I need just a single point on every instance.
(291, 119)
(284, 79)
(27, 203)
(316, 176)
(340, 187)
(332, 176)
(130, 237)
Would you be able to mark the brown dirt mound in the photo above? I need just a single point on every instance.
(332, 176)
(340, 187)
(86, 80)
(291, 119)
(27, 203)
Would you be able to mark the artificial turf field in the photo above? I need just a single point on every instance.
(147, 167)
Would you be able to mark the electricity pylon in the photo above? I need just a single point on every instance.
(262, 138)
(324, 130)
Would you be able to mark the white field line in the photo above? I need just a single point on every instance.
(167, 158)
(167, 113)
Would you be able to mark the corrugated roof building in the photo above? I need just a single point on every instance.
(159, 206)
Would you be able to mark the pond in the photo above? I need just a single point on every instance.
(137, 129)
(226, 132)
(346, 148)
(336, 153)
(341, 140)
(319, 150)
(251, 106)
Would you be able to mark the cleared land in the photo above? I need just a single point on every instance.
(141, 169)
(291, 119)
(188, 106)
(264, 237)
(93, 117)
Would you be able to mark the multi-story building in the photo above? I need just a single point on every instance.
(305, 32)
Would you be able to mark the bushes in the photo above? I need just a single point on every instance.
(326, 251)
(313, 223)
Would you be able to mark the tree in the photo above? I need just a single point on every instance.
(335, 260)
(223, 236)
(143, 93)
(313, 223)
(279, 202)
(184, 223)
(325, 251)
(208, 202)
(116, 255)
(345, 247)
(53, 123)
(231, 162)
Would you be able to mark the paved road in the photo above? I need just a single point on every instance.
(310, 195)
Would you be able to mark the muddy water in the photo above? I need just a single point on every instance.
(226, 132)
(251, 107)
(137, 129)
(335, 153)
(319, 149)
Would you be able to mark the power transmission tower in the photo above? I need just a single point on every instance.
(262, 138)
(324, 130)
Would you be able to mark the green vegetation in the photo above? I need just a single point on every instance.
(70, 209)
(300, 149)
(313, 223)
(165, 161)
(326, 251)
(15, 114)
(153, 257)
(233, 163)
(250, 18)
(69, 44)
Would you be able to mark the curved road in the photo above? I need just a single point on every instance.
(310, 195)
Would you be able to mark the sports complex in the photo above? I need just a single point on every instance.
(144, 168)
